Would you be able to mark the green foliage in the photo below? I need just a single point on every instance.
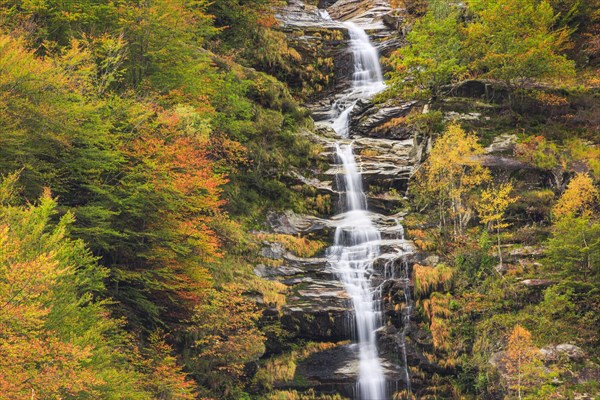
(513, 41)
(136, 125)
(574, 247)
(476, 260)
(432, 59)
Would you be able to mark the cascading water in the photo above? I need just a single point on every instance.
(355, 247)
(357, 240)
(367, 78)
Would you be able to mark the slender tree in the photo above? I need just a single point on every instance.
(492, 207)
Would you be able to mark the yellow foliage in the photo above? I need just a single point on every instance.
(421, 239)
(522, 360)
(273, 263)
(580, 198)
(451, 173)
(272, 292)
(493, 204)
(550, 99)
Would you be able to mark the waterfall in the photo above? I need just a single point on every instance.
(367, 75)
(356, 243)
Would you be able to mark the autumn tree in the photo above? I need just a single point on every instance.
(56, 338)
(450, 174)
(574, 247)
(163, 377)
(522, 361)
(579, 199)
(492, 207)
(221, 343)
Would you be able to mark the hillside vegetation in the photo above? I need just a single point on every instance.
(143, 142)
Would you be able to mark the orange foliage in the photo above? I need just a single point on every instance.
(429, 279)
(522, 360)
(34, 361)
(437, 310)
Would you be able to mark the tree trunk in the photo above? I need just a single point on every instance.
(499, 249)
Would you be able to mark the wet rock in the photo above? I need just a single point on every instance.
(318, 310)
(330, 371)
(320, 42)
(383, 163)
(264, 271)
(335, 370)
(367, 119)
(391, 343)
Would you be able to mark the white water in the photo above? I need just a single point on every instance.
(357, 240)
(367, 78)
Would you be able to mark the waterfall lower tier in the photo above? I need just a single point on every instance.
(355, 248)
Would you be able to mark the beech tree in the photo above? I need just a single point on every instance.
(56, 339)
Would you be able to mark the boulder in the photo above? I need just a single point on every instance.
(367, 13)
(537, 283)
(292, 224)
(557, 352)
(273, 250)
(502, 144)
